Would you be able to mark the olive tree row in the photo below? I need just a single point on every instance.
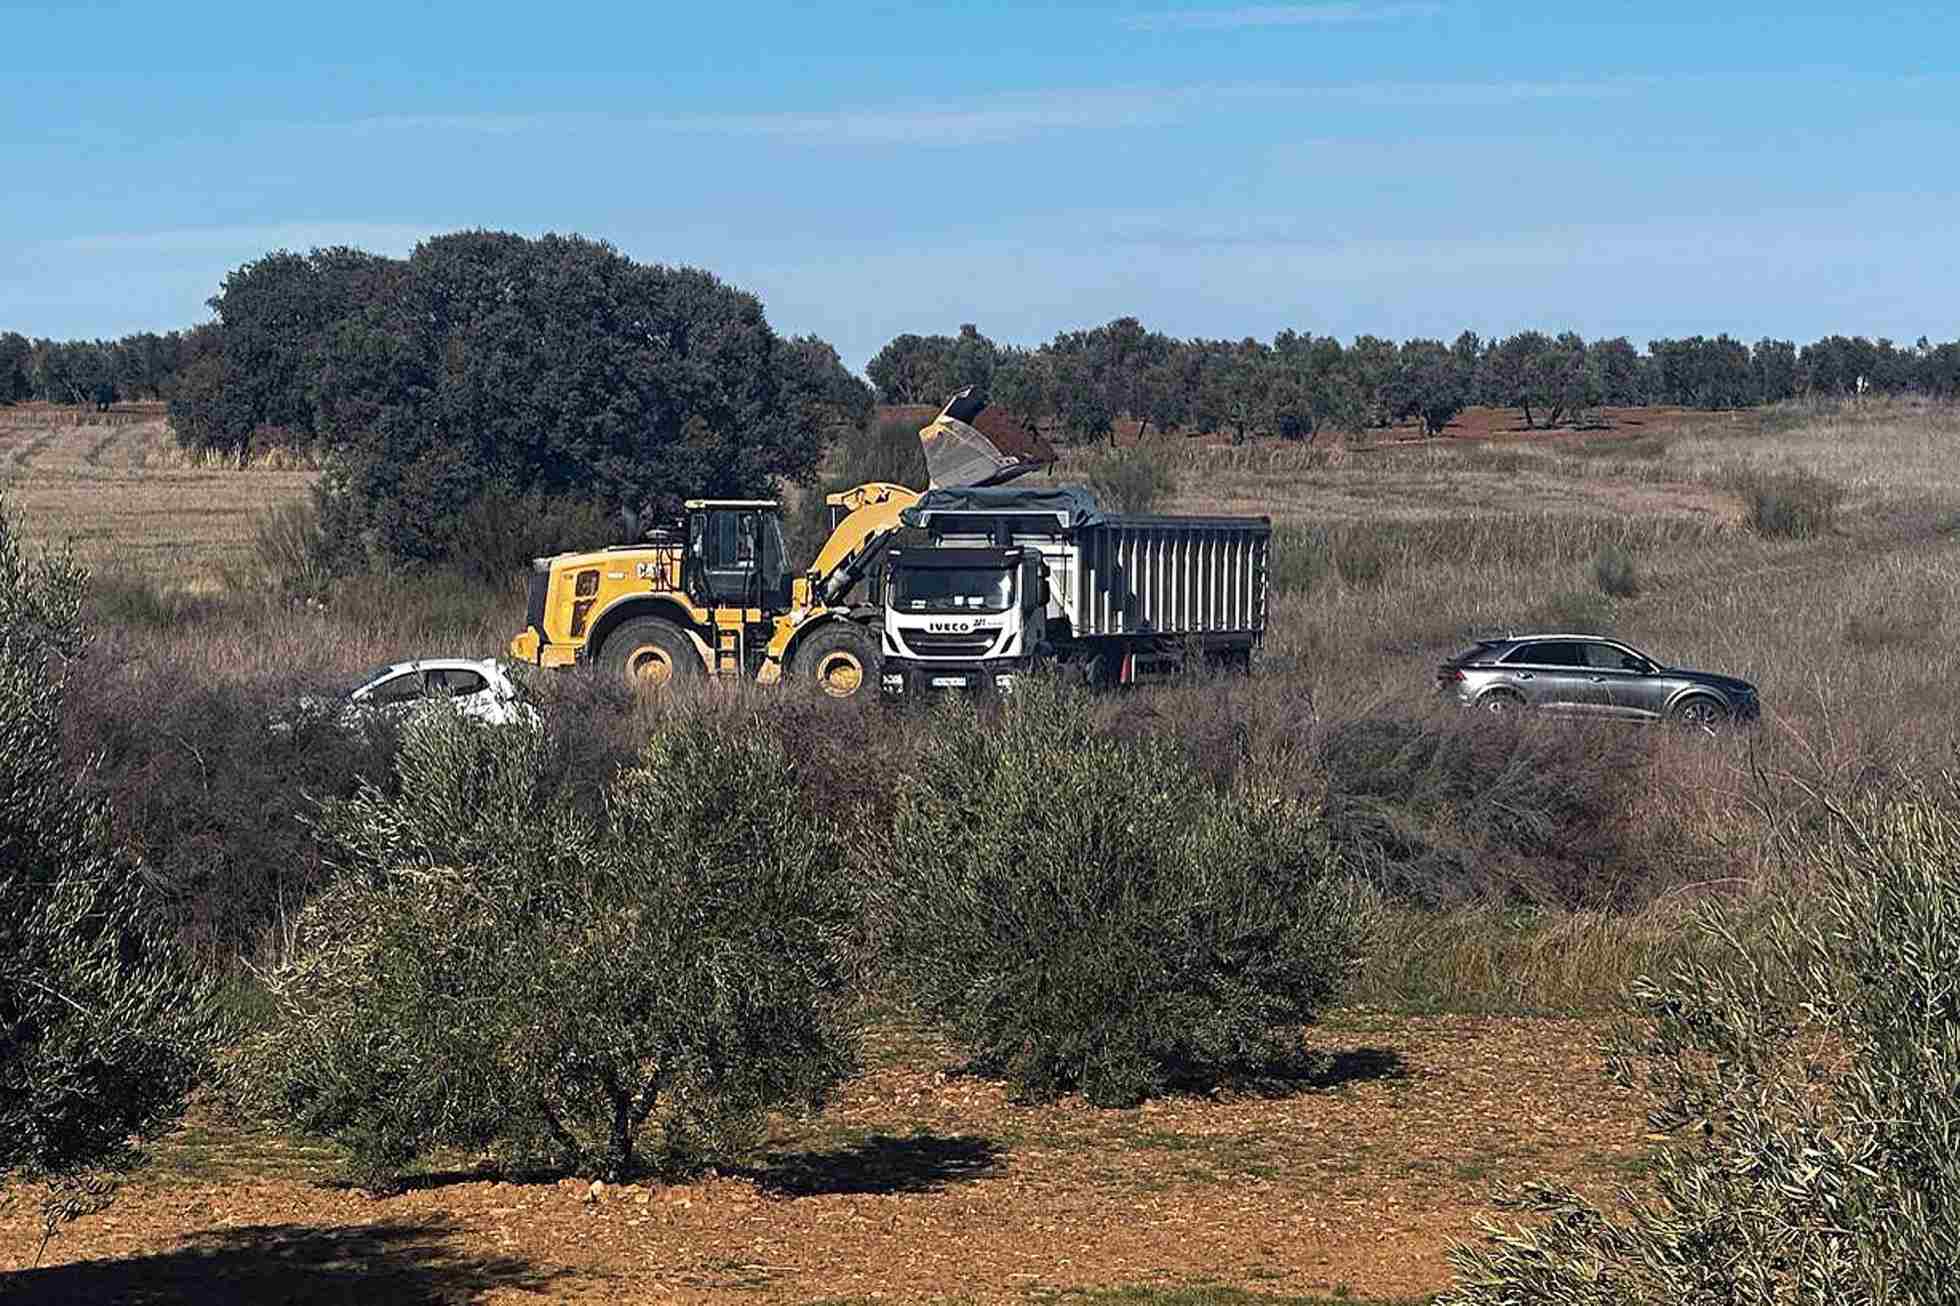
(1083, 382)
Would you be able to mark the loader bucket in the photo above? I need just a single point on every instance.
(960, 454)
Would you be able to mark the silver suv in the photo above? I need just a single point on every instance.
(1591, 676)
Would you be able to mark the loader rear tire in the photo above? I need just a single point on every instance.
(841, 660)
(648, 653)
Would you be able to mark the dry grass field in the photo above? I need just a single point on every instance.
(117, 486)
(923, 1185)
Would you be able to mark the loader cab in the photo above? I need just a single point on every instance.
(735, 553)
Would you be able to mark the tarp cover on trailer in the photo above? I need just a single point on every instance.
(1077, 504)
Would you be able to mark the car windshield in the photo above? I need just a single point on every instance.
(964, 589)
(368, 677)
(1475, 651)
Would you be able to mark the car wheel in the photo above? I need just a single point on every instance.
(648, 653)
(1701, 713)
(841, 660)
(1500, 702)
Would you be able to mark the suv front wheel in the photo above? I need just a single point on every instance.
(1701, 713)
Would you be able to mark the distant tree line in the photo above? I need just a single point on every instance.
(144, 365)
(1083, 382)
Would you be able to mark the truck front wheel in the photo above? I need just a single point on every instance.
(841, 659)
(648, 653)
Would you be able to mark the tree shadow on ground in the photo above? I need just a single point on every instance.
(884, 1164)
(294, 1264)
(1312, 1072)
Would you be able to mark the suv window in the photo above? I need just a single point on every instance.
(1550, 653)
(455, 680)
(1606, 657)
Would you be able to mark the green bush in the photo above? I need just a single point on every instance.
(1363, 555)
(495, 969)
(1614, 571)
(1810, 1082)
(1084, 912)
(1133, 479)
(103, 1024)
(1300, 559)
(1786, 505)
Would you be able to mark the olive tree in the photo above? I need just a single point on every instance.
(1083, 912)
(497, 969)
(103, 1024)
(1809, 1077)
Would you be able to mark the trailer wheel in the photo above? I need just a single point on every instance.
(648, 653)
(842, 660)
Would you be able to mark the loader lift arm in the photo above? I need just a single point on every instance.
(867, 525)
(863, 532)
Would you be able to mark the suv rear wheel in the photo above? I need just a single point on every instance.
(1500, 701)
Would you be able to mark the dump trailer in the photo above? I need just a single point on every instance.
(1011, 580)
(709, 592)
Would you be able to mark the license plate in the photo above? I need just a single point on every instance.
(949, 682)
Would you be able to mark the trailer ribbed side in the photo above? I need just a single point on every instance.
(1165, 576)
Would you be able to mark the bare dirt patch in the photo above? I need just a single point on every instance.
(920, 1184)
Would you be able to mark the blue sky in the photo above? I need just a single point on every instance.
(1218, 169)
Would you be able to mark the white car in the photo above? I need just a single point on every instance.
(478, 688)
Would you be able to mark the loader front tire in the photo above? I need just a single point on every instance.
(841, 660)
(648, 653)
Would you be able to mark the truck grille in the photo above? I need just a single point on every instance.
(948, 646)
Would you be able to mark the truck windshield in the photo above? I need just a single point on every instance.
(966, 589)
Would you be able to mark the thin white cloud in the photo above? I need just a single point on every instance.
(1006, 118)
(1254, 16)
(1471, 95)
(1015, 116)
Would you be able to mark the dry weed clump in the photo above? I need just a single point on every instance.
(1369, 554)
(1133, 479)
(1786, 505)
(1614, 571)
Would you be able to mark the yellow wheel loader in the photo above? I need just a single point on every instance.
(711, 594)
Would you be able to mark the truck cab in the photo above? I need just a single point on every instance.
(962, 618)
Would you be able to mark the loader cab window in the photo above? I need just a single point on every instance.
(739, 553)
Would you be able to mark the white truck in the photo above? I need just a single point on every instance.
(1013, 579)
